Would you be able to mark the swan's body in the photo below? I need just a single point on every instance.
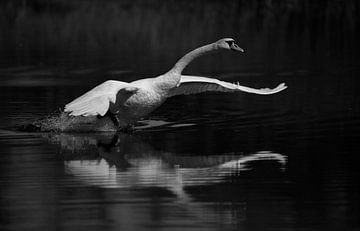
(130, 102)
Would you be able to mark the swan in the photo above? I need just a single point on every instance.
(126, 103)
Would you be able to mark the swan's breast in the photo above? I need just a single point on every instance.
(144, 99)
(140, 104)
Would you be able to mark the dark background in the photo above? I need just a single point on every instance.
(149, 36)
(52, 51)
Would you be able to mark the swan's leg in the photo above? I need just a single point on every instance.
(113, 118)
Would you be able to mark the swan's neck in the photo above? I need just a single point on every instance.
(186, 59)
(172, 78)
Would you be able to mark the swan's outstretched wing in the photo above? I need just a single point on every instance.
(197, 84)
(97, 100)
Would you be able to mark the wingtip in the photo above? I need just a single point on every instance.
(67, 108)
(282, 86)
(279, 88)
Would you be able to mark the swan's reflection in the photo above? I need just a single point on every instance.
(124, 161)
(130, 165)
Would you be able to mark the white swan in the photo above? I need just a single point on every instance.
(128, 102)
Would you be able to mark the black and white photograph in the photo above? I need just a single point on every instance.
(179, 115)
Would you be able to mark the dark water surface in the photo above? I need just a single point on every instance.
(212, 161)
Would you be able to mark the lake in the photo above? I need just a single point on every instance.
(213, 161)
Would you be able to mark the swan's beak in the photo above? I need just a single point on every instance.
(235, 47)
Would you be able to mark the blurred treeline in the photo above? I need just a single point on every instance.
(124, 32)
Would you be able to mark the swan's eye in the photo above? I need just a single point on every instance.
(230, 43)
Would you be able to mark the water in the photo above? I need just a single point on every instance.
(200, 162)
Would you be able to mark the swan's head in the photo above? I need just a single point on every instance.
(229, 44)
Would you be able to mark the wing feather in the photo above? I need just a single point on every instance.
(97, 100)
(197, 84)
